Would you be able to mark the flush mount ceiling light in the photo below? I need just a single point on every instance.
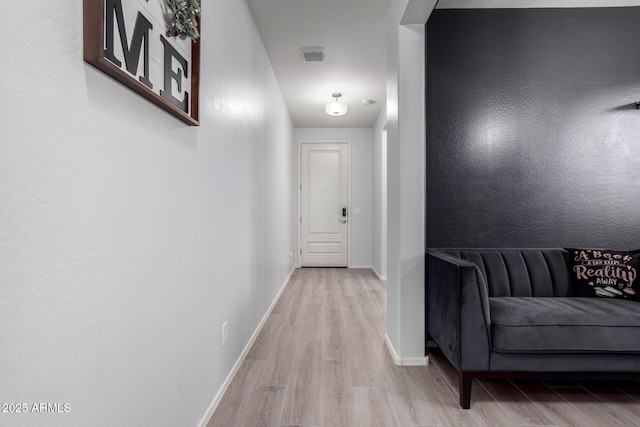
(336, 108)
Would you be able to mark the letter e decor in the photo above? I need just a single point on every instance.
(134, 42)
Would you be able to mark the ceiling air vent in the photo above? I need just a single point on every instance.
(312, 54)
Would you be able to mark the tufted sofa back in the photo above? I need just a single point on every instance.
(520, 272)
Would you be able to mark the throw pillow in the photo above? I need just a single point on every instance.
(605, 273)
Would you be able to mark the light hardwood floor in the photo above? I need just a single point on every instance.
(321, 361)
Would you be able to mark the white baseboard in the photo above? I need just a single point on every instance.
(415, 361)
(404, 361)
(361, 266)
(392, 351)
(216, 400)
(378, 274)
(372, 268)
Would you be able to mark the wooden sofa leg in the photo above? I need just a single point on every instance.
(464, 388)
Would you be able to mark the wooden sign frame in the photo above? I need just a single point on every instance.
(94, 54)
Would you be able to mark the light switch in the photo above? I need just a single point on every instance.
(356, 211)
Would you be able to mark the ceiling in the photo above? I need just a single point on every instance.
(352, 33)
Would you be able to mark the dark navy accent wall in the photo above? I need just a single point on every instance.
(533, 139)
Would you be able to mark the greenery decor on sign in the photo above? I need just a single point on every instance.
(182, 16)
(173, 84)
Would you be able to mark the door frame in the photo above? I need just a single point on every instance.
(299, 189)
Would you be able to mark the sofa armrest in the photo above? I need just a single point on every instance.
(458, 316)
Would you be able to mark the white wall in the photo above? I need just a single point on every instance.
(361, 184)
(406, 178)
(379, 166)
(126, 237)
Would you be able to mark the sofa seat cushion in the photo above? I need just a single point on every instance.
(564, 325)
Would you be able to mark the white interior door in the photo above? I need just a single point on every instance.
(324, 196)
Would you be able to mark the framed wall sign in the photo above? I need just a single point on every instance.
(134, 42)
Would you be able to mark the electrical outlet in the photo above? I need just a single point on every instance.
(290, 254)
(225, 333)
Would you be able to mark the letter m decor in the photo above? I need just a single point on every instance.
(127, 40)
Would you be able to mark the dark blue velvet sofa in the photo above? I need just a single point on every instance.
(511, 313)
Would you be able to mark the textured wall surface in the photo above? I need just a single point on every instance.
(126, 237)
(532, 135)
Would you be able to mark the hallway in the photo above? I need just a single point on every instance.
(321, 361)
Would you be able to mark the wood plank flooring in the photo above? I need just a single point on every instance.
(320, 360)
